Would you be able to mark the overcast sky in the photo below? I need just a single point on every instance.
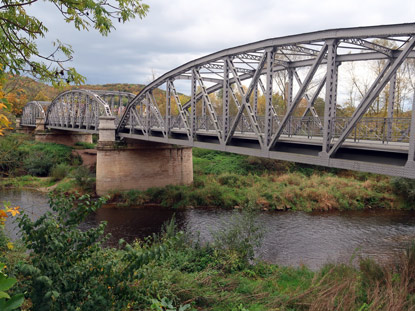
(175, 32)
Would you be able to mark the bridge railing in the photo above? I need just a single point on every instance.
(374, 129)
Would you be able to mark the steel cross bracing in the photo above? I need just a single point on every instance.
(80, 110)
(33, 110)
(233, 104)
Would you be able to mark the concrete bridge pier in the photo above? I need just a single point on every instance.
(138, 164)
(59, 137)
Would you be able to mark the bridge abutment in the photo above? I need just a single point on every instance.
(138, 165)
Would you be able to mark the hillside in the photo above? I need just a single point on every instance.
(35, 90)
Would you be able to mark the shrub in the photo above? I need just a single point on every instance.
(84, 178)
(19, 155)
(238, 239)
(229, 179)
(70, 270)
(260, 165)
(60, 171)
(406, 188)
(8, 303)
(38, 164)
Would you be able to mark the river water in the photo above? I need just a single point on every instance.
(291, 238)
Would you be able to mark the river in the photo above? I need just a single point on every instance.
(291, 238)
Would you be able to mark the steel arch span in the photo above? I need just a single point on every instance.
(80, 110)
(32, 111)
(308, 65)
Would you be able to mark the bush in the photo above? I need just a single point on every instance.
(260, 165)
(84, 178)
(70, 270)
(406, 188)
(229, 179)
(238, 239)
(38, 164)
(60, 171)
(21, 156)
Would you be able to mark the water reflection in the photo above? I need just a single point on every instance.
(291, 238)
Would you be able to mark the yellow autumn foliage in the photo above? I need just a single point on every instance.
(4, 121)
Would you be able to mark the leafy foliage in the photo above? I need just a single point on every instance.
(4, 106)
(406, 188)
(19, 32)
(70, 270)
(8, 303)
(19, 155)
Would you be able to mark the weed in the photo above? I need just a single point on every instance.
(60, 171)
(239, 237)
(85, 145)
(83, 178)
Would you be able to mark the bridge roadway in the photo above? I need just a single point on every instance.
(240, 122)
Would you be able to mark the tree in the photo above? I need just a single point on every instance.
(19, 31)
(4, 106)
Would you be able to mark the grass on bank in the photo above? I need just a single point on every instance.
(67, 269)
(222, 180)
(230, 180)
(25, 163)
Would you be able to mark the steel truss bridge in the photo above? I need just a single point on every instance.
(223, 111)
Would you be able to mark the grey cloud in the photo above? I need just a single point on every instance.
(175, 32)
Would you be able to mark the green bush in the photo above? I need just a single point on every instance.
(69, 269)
(7, 302)
(406, 188)
(20, 156)
(229, 179)
(60, 171)
(237, 240)
(38, 163)
(83, 178)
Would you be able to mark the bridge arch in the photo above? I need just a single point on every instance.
(32, 111)
(308, 63)
(81, 109)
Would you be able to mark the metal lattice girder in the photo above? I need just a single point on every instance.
(239, 72)
(77, 110)
(208, 104)
(384, 77)
(242, 114)
(299, 95)
(180, 108)
(33, 110)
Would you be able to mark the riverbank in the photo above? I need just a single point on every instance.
(175, 269)
(223, 180)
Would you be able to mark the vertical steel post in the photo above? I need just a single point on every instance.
(193, 120)
(147, 122)
(391, 105)
(225, 100)
(331, 96)
(256, 100)
(204, 116)
(411, 151)
(289, 88)
(268, 103)
(168, 109)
